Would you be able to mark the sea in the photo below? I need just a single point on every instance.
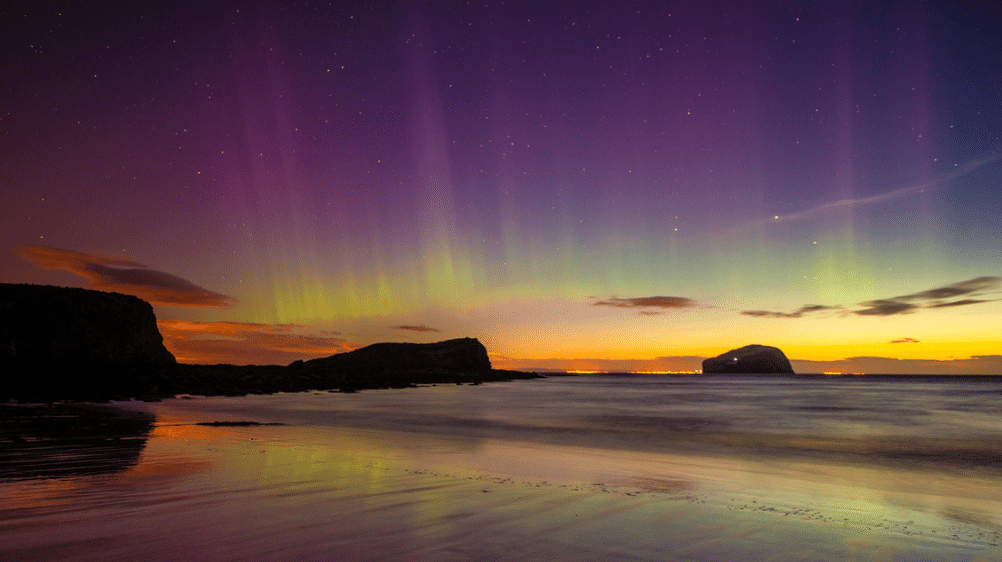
(587, 467)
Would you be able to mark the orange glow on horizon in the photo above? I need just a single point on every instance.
(696, 372)
(250, 343)
(246, 343)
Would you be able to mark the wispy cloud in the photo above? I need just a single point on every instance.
(806, 309)
(247, 343)
(126, 276)
(904, 304)
(886, 307)
(904, 340)
(824, 208)
(421, 328)
(648, 302)
(932, 298)
(962, 302)
(969, 287)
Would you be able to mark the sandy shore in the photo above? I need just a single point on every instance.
(325, 492)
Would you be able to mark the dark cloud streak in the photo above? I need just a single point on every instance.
(969, 287)
(128, 277)
(885, 307)
(963, 302)
(421, 328)
(904, 304)
(648, 302)
(932, 298)
(806, 309)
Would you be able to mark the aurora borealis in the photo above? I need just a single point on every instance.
(580, 185)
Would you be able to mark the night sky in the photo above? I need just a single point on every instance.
(580, 185)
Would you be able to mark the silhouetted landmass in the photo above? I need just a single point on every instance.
(92, 346)
(750, 359)
(58, 325)
(401, 364)
(465, 354)
(152, 382)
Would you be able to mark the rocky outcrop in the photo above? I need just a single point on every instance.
(750, 359)
(44, 325)
(402, 364)
(80, 345)
(464, 354)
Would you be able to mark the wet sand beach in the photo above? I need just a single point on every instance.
(495, 472)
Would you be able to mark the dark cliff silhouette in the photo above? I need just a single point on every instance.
(461, 360)
(76, 344)
(57, 325)
(464, 354)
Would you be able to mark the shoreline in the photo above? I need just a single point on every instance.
(453, 474)
(312, 491)
(971, 454)
(45, 384)
(101, 384)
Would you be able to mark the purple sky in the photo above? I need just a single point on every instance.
(710, 174)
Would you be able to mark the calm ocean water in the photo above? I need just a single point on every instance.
(939, 419)
(593, 467)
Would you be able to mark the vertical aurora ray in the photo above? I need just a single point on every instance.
(446, 265)
(277, 213)
(310, 261)
(837, 261)
(495, 169)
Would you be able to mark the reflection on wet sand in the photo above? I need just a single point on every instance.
(64, 440)
(318, 489)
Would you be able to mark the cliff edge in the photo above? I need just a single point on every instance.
(60, 343)
(44, 325)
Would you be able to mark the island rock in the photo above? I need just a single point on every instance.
(44, 325)
(750, 359)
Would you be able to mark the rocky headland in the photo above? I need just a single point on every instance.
(76, 344)
(44, 325)
(750, 359)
